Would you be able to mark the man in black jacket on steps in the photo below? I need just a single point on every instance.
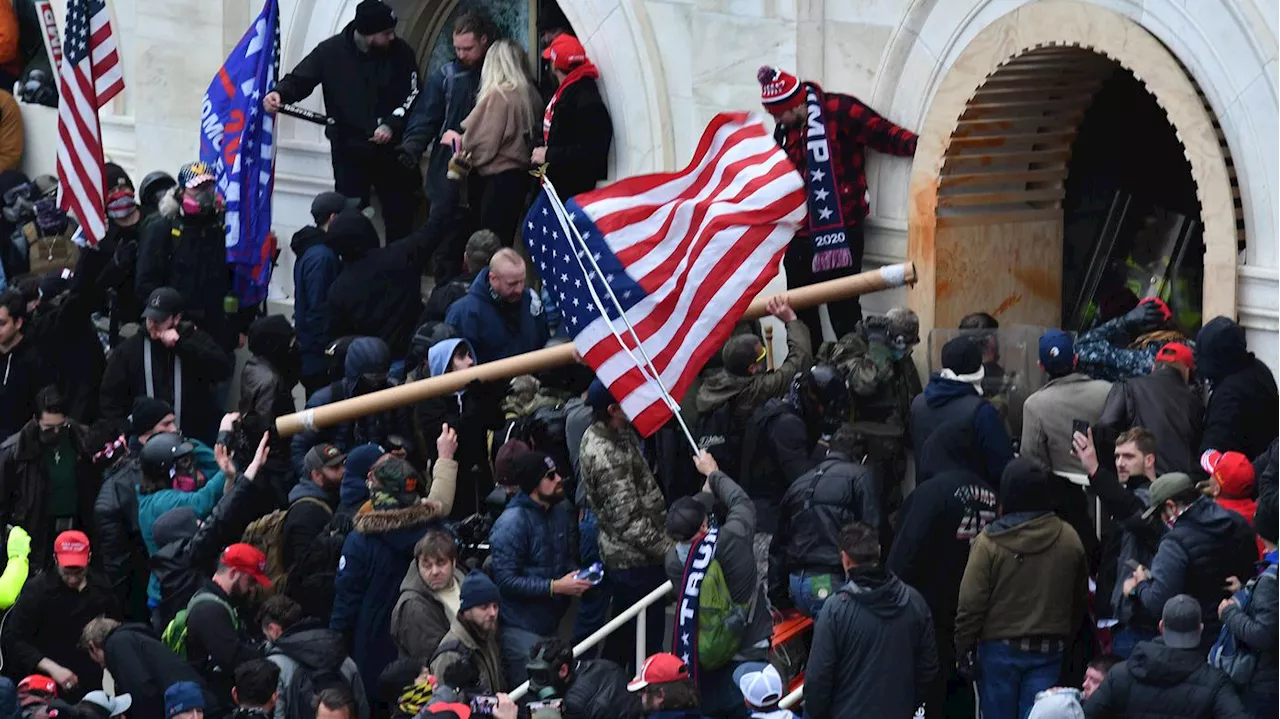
(140, 664)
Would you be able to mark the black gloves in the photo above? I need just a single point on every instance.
(1145, 317)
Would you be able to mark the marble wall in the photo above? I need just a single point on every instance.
(669, 65)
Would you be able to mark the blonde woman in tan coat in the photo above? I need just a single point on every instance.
(497, 140)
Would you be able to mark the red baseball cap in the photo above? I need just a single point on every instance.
(564, 52)
(659, 669)
(71, 549)
(1232, 470)
(462, 710)
(1177, 352)
(248, 559)
(38, 683)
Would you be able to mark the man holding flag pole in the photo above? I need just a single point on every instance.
(237, 140)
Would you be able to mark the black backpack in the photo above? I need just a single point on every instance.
(312, 575)
(300, 696)
(756, 459)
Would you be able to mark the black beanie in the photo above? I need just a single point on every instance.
(529, 469)
(962, 355)
(373, 17)
(1025, 487)
(147, 413)
(1266, 517)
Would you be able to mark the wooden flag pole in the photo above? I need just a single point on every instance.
(346, 410)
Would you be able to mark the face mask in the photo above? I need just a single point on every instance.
(366, 383)
(897, 355)
(198, 203)
(50, 436)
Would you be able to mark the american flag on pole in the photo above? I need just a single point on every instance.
(90, 75)
(684, 253)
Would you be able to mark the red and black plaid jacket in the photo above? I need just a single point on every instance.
(855, 127)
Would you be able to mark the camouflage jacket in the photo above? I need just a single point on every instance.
(622, 492)
(882, 388)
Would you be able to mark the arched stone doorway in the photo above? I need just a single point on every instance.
(988, 179)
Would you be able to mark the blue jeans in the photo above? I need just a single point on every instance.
(1009, 679)
(803, 595)
(516, 645)
(1124, 639)
(593, 608)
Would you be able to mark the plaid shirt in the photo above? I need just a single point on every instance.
(855, 127)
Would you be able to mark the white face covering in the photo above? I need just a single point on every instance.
(974, 379)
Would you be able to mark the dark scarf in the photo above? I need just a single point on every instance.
(584, 70)
(826, 219)
(684, 643)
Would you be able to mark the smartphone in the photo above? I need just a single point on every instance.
(1081, 426)
(484, 705)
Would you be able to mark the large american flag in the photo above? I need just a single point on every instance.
(89, 77)
(684, 253)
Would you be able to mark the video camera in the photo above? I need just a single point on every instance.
(473, 540)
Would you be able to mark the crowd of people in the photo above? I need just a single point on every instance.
(169, 554)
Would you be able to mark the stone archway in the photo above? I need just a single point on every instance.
(1053, 30)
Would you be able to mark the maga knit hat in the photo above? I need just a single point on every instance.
(962, 355)
(477, 589)
(373, 17)
(779, 90)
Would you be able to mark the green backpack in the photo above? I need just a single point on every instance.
(721, 621)
(175, 635)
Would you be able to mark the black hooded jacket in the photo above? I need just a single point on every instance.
(378, 293)
(361, 89)
(938, 522)
(143, 667)
(188, 551)
(814, 509)
(874, 652)
(1243, 413)
(1159, 682)
(365, 355)
(117, 539)
(319, 652)
(599, 691)
(784, 445)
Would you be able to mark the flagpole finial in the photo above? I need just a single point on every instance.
(540, 171)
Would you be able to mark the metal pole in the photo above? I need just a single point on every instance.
(627, 615)
(642, 622)
(792, 699)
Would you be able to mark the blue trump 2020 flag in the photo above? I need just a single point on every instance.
(237, 137)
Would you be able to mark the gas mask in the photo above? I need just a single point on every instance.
(184, 476)
(200, 202)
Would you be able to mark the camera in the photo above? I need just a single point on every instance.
(483, 705)
(473, 540)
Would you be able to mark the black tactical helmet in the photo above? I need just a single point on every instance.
(427, 335)
(154, 185)
(162, 452)
(824, 397)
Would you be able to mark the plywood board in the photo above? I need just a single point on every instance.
(1012, 270)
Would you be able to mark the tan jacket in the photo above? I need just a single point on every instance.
(498, 134)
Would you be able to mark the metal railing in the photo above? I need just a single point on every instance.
(636, 612)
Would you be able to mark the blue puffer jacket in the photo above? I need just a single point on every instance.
(365, 355)
(947, 399)
(315, 268)
(532, 547)
(375, 557)
(497, 331)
